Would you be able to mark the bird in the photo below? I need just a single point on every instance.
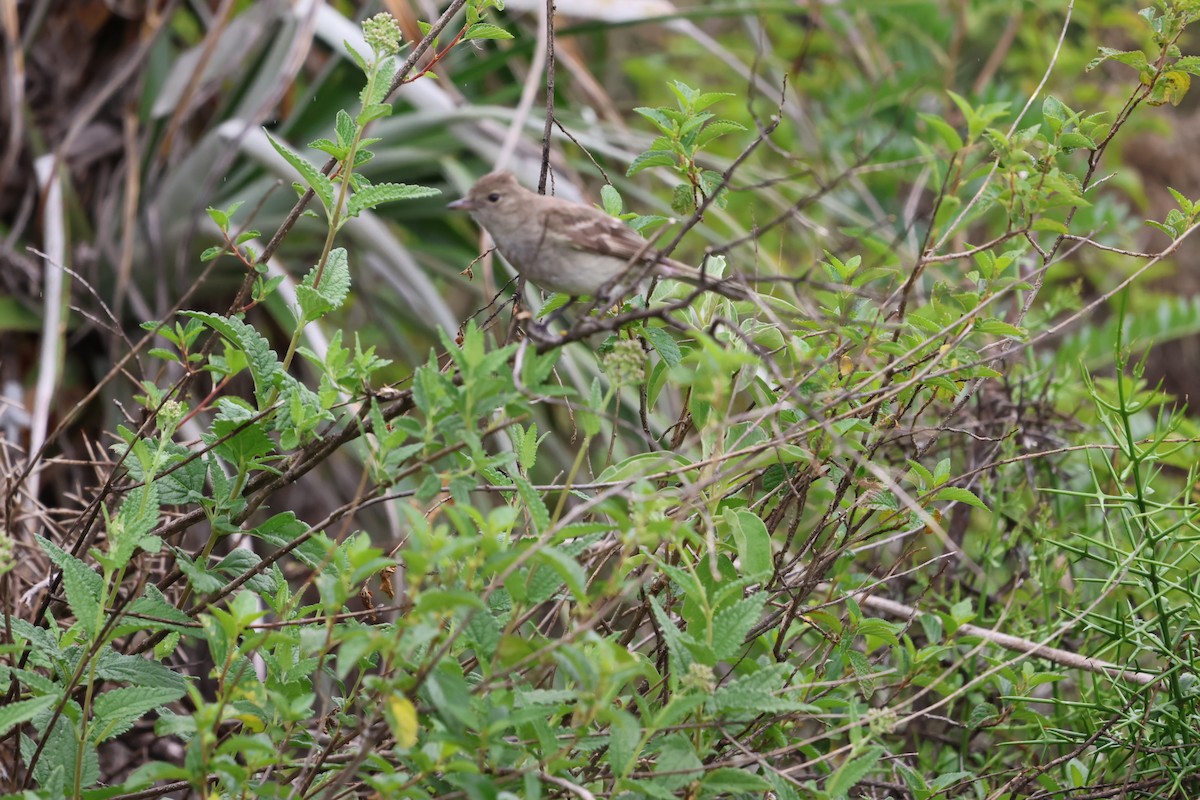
(572, 248)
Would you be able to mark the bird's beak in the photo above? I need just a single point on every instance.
(465, 204)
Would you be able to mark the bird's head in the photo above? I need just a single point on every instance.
(494, 197)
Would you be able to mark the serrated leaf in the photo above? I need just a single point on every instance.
(218, 216)
(200, 579)
(624, 739)
(373, 112)
(262, 360)
(238, 436)
(137, 516)
(320, 184)
(330, 147)
(153, 612)
(731, 625)
(981, 713)
(848, 775)
(83, 585)
(567, 568)
(651, 158)
(345, 128)
(716, 129)
(1074, 141)
(1055, 113)
(659, 118)
(117, 710)
(381, 193)
(21, 711)
(483, 30)
(533, 502)
(677, 650)
(862, 673)
(137, 671)
(317, 301)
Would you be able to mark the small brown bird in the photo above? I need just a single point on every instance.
(568, 247)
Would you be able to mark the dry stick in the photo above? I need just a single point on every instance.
(549, 126)
(1009, 642)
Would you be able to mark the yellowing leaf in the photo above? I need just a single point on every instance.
(402, 719)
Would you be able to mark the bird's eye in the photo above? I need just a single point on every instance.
(493, 197)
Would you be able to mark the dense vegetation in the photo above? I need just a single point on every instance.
(293, 507)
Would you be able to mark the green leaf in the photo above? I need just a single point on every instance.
(482, 30)
(568, 569)
(320, 184)
(981, 713)
(83, 585)
(21, 711)
(624, 741)
(317, 301)
(372, 112)
(129, 529)
(999, 327)
(848, 775)
(381, 193)
(484, 633)
(152, 612)
(756, 561)
(716, 129)
(200, 579)
(683, 199)
(677, 648)
(330, 147)
(1132, 58)
(651, 158)
(959, 495)
(731, 626)
(1055, 113)
(728, 782)
(346, 129)
(944, 130)
(677, 764)
(706, 99)
(660, 119)
(117, 710)
(137, 671)
(610, 198)
(664, 344)
(538, 513)
(263, 362)
(1075, 141)
(245, 437)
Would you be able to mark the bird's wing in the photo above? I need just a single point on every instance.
(597, 232)
(592, 230)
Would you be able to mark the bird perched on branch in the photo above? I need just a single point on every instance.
(572, 248)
